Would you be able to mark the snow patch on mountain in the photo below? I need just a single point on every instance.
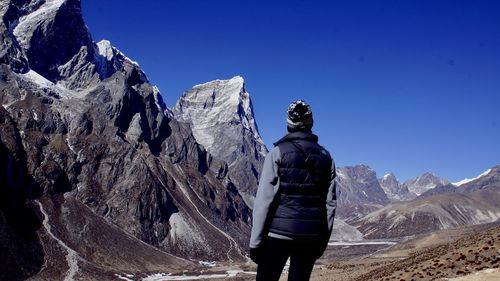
(105, 49)
(464, 181)
(40, 81)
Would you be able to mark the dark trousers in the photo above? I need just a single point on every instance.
(275, 253)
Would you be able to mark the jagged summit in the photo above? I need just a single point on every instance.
(424, 182)
(221, 117)
(43, 12)
(389, 180)
(108, 59)
(41, 30)
(359, 184)
(215, 106)
(38, 32)
(106, 49)
(394, 189)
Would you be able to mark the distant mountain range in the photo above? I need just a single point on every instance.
(410, 189)
(385, 208)
(444, 206)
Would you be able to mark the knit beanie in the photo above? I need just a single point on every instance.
(299, 116)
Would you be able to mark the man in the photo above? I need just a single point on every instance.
(295, 203)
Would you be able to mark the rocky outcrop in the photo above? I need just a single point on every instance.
(221, 116)
(359, 192)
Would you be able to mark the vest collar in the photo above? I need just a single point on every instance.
(308, 136)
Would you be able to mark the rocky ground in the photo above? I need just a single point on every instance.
(461, 254)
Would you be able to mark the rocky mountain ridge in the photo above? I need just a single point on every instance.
(92, 127)
(443, 207)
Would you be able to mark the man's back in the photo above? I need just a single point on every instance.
(295, 203)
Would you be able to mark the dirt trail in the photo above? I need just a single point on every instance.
(71, 257)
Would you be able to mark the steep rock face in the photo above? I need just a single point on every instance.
(221, 116)
(21, 253)
(94, 128)
(10, 52)
(424, 182)
(42, 33)
(359, 191)
(394, 189)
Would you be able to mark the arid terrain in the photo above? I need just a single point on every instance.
(463, 254)
(470, 253)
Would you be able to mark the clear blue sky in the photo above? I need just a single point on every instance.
(402, 86)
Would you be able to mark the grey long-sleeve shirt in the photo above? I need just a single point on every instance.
(267, 190)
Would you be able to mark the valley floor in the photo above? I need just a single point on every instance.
(465, 254)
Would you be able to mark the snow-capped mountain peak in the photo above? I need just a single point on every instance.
(215, 105)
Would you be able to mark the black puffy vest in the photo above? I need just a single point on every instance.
(304, 178)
